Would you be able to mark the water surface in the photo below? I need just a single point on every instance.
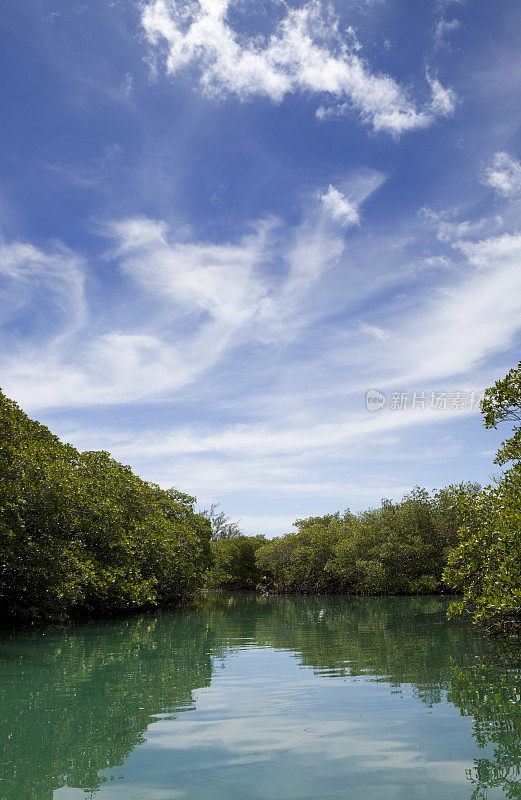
(249, 698)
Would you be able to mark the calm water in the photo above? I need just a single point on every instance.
(247, 698)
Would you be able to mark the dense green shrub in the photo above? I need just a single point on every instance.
(80, 532)
(486, 565)
(305, 560)
(399, 548)
(234, 565)
(402, 548)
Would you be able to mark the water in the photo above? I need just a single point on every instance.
(245, 698)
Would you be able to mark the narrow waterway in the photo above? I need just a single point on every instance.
(249, 698)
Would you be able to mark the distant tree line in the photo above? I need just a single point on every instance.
(398, 548)
(462, 539)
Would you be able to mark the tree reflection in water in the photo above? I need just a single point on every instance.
(74, 702)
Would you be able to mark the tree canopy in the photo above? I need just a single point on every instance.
(485, 567)
(399, 548)
(79, 532)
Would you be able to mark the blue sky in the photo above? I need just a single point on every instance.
(223, 222)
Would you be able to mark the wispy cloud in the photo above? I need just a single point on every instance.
(306, 52)
(199, 302)
(225, 293)
(47, 287)
(279, 457)
(444, 100)
(204, 293)
(184, 304)
(443, 28)
(340, 207)
(375, 331)
(187, 305)
(468, 319)
(503, 173)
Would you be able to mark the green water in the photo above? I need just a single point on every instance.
(245, 698)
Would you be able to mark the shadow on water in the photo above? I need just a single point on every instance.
(75, 702)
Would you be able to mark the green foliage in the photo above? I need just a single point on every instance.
(501, 403)
(485, 567)
(399, 548)
(79, 532)
(234, 565)
(305, 560)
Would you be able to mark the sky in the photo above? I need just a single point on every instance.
(266, 252)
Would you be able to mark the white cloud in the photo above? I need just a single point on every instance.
(453, 232)
(373, 330)
(183, 306)
(276, 311)
(274, 437)
(445, 27)
(218, 280)
(128, 85)
(47, 286)
(443, 99)
(468, 320)
(269, 524)
(305, 53)
(199, 296)
(196, 301)
(340, 208)
(503, 173)
(435, 262)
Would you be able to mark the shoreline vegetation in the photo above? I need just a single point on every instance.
(81, 535)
